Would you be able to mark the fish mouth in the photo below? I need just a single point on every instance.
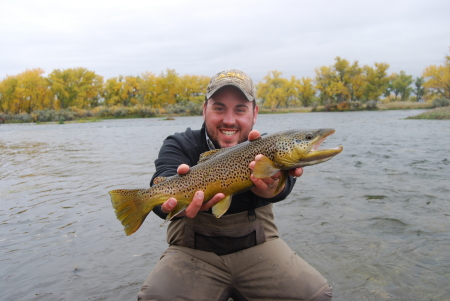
(316, 155)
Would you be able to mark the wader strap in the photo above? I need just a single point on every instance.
(251, 216)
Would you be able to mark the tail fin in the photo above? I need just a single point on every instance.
(131, 209)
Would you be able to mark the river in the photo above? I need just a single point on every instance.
(375, 220)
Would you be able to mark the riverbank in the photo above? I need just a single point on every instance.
(117, 112)
(442, 113)
(403, 105)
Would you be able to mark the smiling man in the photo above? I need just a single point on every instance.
(239, 255)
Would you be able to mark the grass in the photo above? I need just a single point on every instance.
(442, 113)
(404, 105)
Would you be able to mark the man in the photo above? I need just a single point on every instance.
(239, 255)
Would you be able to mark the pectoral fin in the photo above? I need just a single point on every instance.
(281, 181)
(221, 207)
(265, 168)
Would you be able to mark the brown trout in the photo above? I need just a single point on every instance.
(224, 170)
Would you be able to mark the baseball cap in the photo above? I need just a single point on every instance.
(232, 77)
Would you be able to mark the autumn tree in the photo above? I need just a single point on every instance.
(324, 79)
(305, 90)
(25, 92)
(76, 87)
(276, 91)
(148, 85)
(168, 90)
(340, 82)
(7, 93)
(192, 88)
(376, 80)
(437, 79)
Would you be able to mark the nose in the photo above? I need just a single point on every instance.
(229, 118)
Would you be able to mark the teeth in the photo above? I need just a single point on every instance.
(228, 133)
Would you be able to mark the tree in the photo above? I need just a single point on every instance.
(7, 93)
(437, 79)
(76, 87)
(192, 88)
(168, 87)
(324, 80)
(305, 90)
(400, 84)
(419, 90)
(25, 92)
(340, 82)
(148, 84)
(276, 91)
(376, 80)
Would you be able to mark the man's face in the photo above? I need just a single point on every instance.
(229, 117)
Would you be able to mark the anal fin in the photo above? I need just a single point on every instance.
(175, 211)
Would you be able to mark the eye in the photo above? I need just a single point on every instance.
(309, 137)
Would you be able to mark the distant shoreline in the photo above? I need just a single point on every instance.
(442, 113)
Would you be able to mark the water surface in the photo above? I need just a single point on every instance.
(374, 220)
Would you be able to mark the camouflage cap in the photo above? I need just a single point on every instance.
(232, 77)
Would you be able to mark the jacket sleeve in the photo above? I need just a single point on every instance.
(177, 149)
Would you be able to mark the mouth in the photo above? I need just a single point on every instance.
(316, 155)
(228, 133)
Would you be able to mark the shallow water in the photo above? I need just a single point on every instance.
(374, 220)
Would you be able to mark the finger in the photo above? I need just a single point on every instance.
(253, 135)
(259, 183)
(195, 205)
(251, 165)
(209, 204)
(183, 169)
(297, 172)
(168, 205)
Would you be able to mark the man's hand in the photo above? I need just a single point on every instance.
(197, 202)
(265, 187)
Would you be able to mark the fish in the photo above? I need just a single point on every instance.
(226, 171)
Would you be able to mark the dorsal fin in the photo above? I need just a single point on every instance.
(206, 155)
(159, 180)
(257, 139)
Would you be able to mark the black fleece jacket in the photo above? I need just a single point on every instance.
(186, 148)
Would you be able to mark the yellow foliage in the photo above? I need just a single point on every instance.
(437, 79)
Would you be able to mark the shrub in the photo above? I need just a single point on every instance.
(175, 109)
(103, 112)
(120, 112)
(194, 109)
(371, 105)
(64, 115)
(330, 107)
(23, 117)
(145, 112)
(440, 102)
(344, 106)
(354, 105)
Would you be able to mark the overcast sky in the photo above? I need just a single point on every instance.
(199, 37)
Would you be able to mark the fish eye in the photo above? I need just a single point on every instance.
(309, 136)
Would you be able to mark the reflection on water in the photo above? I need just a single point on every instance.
(374, 220)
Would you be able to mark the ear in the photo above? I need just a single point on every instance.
(205, 104)
(255, 113)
